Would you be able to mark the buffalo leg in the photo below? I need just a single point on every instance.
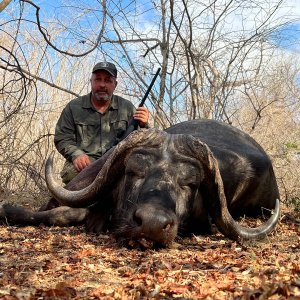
(59, 216)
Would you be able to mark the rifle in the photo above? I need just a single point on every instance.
(133, 124)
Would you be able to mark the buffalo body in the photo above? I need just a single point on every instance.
(156, 184)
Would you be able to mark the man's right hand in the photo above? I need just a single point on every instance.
(81, 162)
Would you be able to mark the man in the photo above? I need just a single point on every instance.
(90, 125)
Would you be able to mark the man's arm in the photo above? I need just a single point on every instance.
(65, 136)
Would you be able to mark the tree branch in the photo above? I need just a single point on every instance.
(3, 4)
(39, 79)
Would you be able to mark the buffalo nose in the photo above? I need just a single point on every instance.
(155, 223)
(144, 219)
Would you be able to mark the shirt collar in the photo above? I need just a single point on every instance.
(114, 103)
(86, 101)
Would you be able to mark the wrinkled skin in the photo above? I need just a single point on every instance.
(155, 185)
(166, 175)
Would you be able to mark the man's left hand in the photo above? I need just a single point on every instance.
(142, 115)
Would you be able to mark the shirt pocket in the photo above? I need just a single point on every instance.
(83, 132)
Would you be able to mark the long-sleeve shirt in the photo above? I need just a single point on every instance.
(81, 129)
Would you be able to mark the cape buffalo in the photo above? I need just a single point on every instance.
(157, 184)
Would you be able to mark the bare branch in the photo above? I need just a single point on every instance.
(3, 4)
(47, 39)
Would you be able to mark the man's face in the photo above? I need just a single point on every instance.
(103, 85)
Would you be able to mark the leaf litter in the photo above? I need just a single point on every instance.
(67, 263)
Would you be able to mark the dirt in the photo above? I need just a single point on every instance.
(67, 263)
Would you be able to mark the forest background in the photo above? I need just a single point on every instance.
(236, 61)
(233, 61)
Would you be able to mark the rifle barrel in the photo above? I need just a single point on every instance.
(149, 88)
(133, 124)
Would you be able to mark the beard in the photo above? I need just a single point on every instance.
(101, 96)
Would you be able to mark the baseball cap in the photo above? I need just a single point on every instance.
(106, 66)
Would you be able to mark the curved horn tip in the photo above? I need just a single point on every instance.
(276, 211)
(49, 160)
(265, 229)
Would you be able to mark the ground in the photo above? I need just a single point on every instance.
(67, 263)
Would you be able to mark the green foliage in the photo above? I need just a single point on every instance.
(292, 145)
(294, 203)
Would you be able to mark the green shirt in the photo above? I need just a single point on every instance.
(81, 129)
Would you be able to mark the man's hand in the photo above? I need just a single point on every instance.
(142, 115)
(81, 162)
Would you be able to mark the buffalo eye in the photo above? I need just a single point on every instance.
(188, 175)
(191, 181)
(190, 184)
(136, 166)
(134, 172)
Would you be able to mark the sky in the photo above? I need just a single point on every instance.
(288, 37)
